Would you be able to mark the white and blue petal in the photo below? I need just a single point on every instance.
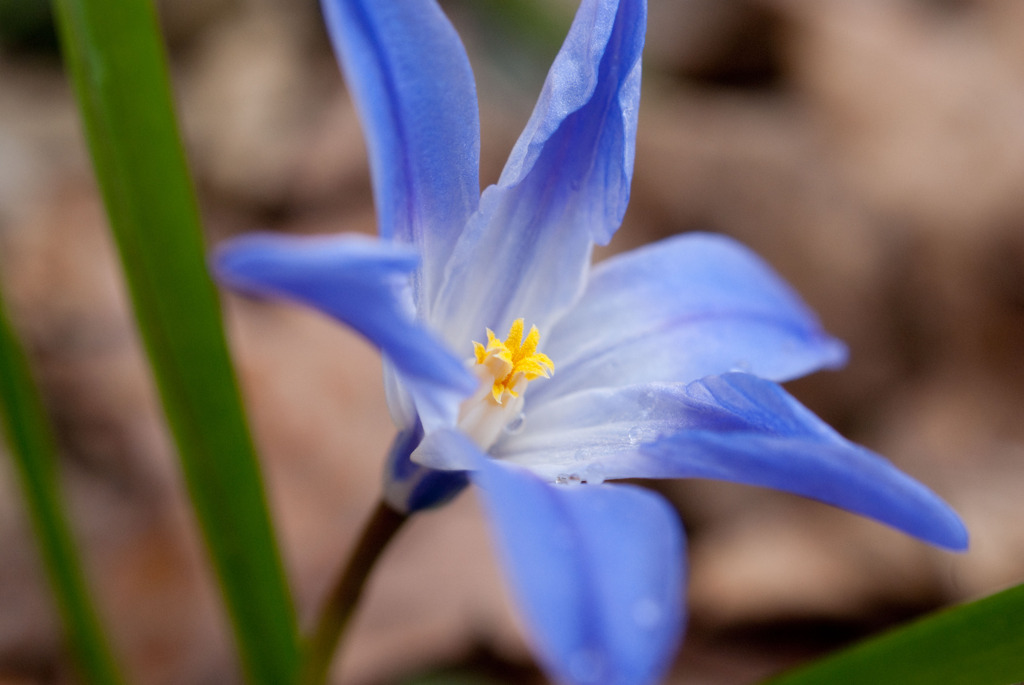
(734, 427)
(593, 435)
(447, 449)
(362, 283)
(597, 572)
(412, 85)
(411, 487)
(678, 310)
(526, 252)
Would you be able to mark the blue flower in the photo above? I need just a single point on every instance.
(658, 363)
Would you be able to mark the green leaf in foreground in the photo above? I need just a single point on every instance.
(981, 643)
(29, 437)
(116, 60)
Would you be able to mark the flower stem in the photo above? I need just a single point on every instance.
(341, 603)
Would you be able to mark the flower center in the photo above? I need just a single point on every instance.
(504, 369)
(512, 362)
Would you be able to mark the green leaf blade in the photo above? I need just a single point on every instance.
(116, 60)
(980, 643)
(30, 438)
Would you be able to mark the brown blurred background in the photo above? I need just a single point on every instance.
(871, 150)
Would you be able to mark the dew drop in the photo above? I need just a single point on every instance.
(634, 435)
(516, 425)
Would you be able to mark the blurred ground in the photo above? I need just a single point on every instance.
(871, 150)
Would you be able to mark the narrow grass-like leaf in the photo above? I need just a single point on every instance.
(980, 643)
(32, 448)
(116, 60)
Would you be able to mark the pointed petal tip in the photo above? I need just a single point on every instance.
(227, 263)
(835, 354)
(951, 533)
(246, 263)
(745, 429)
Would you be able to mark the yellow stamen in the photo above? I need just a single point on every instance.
(512, 361)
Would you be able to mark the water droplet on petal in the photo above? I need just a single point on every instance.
(516, 425)
(634, 435)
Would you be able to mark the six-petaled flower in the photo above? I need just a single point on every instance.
(659, 363)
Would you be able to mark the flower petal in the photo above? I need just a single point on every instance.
(733, 427)
(566, 184)
(362, 283)
(447, 449)
(592, 436)
(597, 572)
(582, 133)
(410, 487)
(752, 431)
(412, 85)
(682, 309)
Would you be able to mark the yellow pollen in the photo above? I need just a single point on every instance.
(514, 360)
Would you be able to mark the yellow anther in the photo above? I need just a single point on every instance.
(512, 361)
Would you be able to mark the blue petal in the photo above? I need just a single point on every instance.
(582, 134)
(733, 427)
(597, 572)
(361, 283)
(566, 184)
(679, 310)
(593, 435)
(747, 430)
(413, 87)
(447, 449)
(410, 487)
